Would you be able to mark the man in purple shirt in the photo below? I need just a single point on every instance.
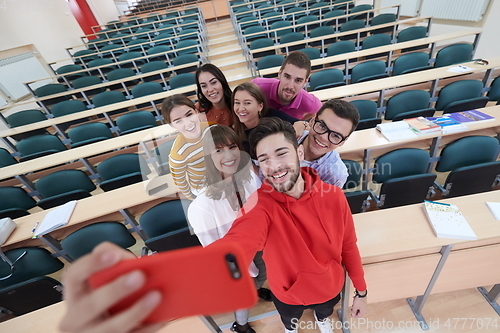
(286, 93)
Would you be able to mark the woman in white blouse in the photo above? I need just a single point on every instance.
(230, 180)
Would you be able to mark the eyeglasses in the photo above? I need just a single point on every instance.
(334, 137)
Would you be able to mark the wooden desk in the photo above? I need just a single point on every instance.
(47, 320)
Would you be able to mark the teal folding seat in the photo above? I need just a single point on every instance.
(119, 74)
(409, 104)
(154, 66)
(63, 186)
(404, 178)
(270, 18)
(352, 25)
(312, 53)
(186, 34)
(112, 51)
(101, 62)
(261, 43)
(454, 54)
(84, 56)
(132, 57)
(249, 21)
(340, 47)
(412, 33)
(270, 61)
(361, 8)
(316, 9)
(322, 31)
(69, 69)
(367, 114)
(84, 240)
(292, 37)
(119, 171)
(182, 80)
(494, 93)
(410, 63)
(376, 41)
(88, 133)
(6, 158)
(160, 52)
(144, 33)
(186, 59)
(459, 92)
(140, 45)
(474, 172)
(303, 23)
(52, 89)
(26, 117)
(109, 97)
(147, 88)
(326, 78)
(187, 46)
(164, 38)
(333, 16)
(368, 70)
(14, 203)
(68, 107)
(88, 81)
(38, 146)
(383, 19)
(281, 24)
(256, 31)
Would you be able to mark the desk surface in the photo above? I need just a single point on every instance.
(95, 206)
(405, 232)
(372, 139)
(46, 320)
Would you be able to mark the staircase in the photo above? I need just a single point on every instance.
(225, 52)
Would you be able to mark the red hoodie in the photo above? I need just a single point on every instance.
(305, 241)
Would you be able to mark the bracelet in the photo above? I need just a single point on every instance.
(357, 294)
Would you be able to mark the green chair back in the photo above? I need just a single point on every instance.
(458, 91)
(6, 158)
(454, 54)
(326, 78)
(270, 61)
(67, 107)
(89, 133)
(135, 121)
(376, 41)
(467, 151)
(64, 181)
(182, 80)
(400, 163)
(84, 240)
(410, 100)
(410, 62)
(186, 46)
(40, 143)
(25, 117)
(412, 33)
(340, 47)
(165, 217)
(15, 197)
(367, 69)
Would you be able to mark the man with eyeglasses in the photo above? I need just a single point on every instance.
(329, 129)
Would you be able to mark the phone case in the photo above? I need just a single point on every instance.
(193, 281)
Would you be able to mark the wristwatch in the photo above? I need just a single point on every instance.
(357, 294)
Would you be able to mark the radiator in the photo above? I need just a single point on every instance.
(408, 7)
(16, 70)
(460, 10)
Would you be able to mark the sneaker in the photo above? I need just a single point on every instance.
(291, 331)
(325, 326)
(237, 328)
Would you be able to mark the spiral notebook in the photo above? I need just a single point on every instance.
(55, 219)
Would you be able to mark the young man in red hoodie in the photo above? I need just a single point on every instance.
(305, 228)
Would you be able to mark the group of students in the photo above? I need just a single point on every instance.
(258, 180)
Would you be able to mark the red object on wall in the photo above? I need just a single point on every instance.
(83, 15)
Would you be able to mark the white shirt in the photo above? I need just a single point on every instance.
(211, 219)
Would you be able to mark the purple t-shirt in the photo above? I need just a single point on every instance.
(303, 103)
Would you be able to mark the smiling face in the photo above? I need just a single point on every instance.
(247, 108)
(292, 79)
(318, 144)
(186, 120)
(211, 87)
(226, 159)
(279, 162)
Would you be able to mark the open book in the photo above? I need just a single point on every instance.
(447, 221)
(398, 130)
(56, 218)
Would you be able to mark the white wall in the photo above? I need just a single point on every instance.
(50, 27)
(104, 10)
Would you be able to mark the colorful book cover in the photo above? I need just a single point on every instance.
(422, 125)
(471, 116)
(448, 125)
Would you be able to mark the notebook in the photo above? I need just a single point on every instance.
(447, 221)
(55, 219)
(395, 131)
(422, 125)
(495, 209)
(471, 116)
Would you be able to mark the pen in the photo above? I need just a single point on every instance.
(34, 229)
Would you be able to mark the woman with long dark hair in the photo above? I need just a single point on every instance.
(214, 94)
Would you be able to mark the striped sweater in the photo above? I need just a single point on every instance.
(187, 163)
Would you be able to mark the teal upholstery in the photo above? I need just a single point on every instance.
(454, 54)
(89, 133)
(326, 78)
(120, 170)
(84, 240)
(400, 163)
(14, 202)
(411, 62)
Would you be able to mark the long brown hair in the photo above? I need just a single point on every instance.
(205, 104)
(256, 93)
(223, 136)
(172, 101)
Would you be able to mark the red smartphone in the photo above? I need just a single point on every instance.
(192, 281)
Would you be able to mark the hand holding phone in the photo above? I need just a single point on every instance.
(192, 281)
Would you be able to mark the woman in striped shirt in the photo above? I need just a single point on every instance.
(186, 159)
